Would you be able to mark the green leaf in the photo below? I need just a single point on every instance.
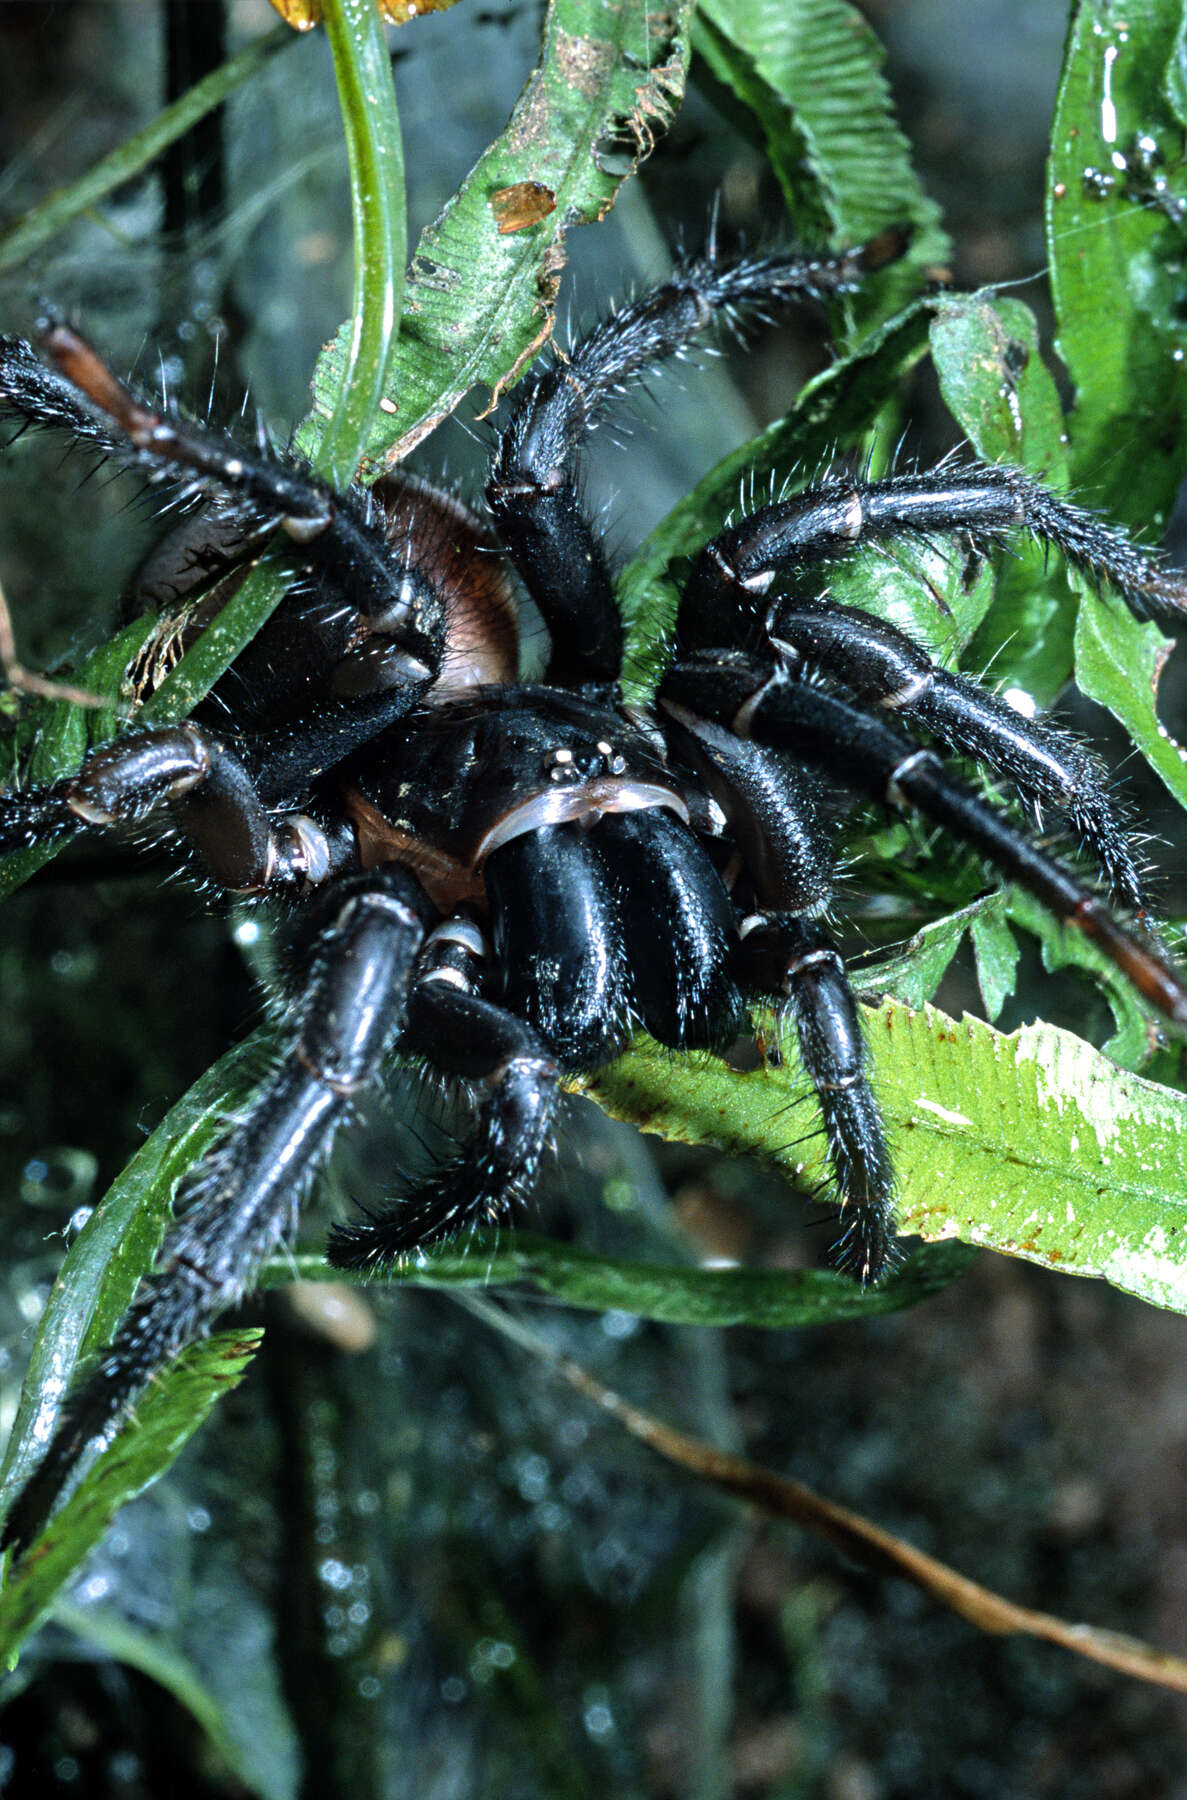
(810, 73)
(667, 1293)
(98, 1277)
(994, 381)
(996, 385)
(996, 950)
(481, 301)
(1116, 228)
(352, 391)
(1134, 1036)
(1116, 236)
(913, 971)
(1119, 662)
(1033, 1144)
(116, 1637)
(170, 1412)
(375, 152)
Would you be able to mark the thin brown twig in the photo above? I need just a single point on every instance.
(858, 1537)
(25, 681)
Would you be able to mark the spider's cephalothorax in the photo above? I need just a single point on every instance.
(505, 877)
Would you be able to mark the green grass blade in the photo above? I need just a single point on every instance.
(480, 300)
(666, 1293)
(35, 228)
(167, 1417)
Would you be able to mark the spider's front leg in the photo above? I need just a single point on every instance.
(319, 682)
(375, 670)
(241, 1200)
(532, 489)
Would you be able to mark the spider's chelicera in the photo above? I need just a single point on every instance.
(504, 877)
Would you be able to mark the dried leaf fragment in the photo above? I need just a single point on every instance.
(302, 15)
(521, 205)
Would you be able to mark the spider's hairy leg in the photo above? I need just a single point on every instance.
(532, 487)
(464, 1035)
(795, 958)
(33, 394)
(333, 531)
(240, 1202)
(208, 794)
(770, 804)
(866, 754)
(303, 506)
(879, 664)
(983, 500)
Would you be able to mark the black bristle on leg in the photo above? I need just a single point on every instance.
(877, 663)
(482, 1187)
(795, 959)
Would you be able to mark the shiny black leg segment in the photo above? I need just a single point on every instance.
(681, 934)
(532, 489)
(880, 664)
(241, 1200)
(187, 773)
(722, 603)
(796, 958)
(558, 941)
(334, 531)
(871, 757)
(465, 1035)
(771, 804)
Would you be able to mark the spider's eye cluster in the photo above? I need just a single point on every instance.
(586, 762)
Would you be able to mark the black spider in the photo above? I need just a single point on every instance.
(505, 877)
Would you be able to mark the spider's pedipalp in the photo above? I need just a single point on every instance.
(482, 1187)
(771, 805)
(185, 776)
